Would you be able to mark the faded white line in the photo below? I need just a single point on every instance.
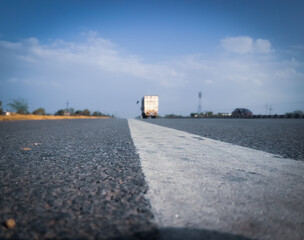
(200, 183)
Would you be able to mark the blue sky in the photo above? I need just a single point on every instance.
(105, 55)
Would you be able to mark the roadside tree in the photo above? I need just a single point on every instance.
(86, 112)
(71, 111)
(19, 105)
(78, 112)
(60, 112)
(1, 110)
(39, 111)
(98, 114)
(298, 113)
(209, 114)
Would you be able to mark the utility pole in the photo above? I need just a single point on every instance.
(270, 109)
(67, 103)
(199, 108)
(266, 106)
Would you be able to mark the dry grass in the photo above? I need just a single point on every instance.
(17, 117)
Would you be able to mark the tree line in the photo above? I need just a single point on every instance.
(21, 106)
(85, 112)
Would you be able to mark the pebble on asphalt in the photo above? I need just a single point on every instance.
(10, 223)
(26, 149)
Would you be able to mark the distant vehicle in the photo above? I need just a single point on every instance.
(149, 106)
(241, 112)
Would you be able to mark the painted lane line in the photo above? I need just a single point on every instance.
(200, 183)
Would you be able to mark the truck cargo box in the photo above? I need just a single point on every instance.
(149, 106)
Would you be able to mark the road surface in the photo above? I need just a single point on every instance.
(279, 136)
(205, 184)
(119, 179)
(71, 179)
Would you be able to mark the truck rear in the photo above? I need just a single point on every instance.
(149, 106)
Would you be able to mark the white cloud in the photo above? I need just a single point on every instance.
(95, 52)
(262, 45)
(239, 45)
(208, 81)
(245, 44)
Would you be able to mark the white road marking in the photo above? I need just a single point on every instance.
(200, 183)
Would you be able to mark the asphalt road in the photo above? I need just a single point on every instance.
(205, 184)
(83, 179)
(72, 179)
(284, 137)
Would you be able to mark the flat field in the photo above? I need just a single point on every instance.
(17, 117)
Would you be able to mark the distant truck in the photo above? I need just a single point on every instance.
(149, 106)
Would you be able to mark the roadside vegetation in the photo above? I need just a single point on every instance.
(294, 114)
(17, 116)
(209, 114)
(19, 110)
(1, 110)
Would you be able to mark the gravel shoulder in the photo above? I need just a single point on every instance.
(72, 179)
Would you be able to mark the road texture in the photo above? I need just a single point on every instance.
(202, 184)
(284, 137)
(72, 179)
(85, 179)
